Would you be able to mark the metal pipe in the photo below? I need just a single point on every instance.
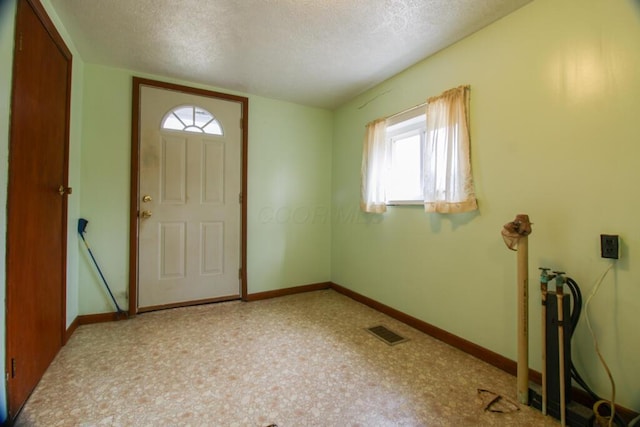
(544, 280)
(523, 321)
(560, 295)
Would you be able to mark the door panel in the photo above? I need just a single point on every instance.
(173, 170)
(213, 172)
(172, 250)
(212, 247)
(36, 213)
(189, 246)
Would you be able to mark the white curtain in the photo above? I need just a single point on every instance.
(448, 184)
(374, 168)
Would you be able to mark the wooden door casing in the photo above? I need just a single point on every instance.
(37, 212)
(189, 248)
(135, 195)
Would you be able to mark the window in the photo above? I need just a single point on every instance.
(190, 118)
(405, 140)
(420, 156)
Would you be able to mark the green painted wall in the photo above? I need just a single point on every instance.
(554, 106)
(104, 199)
(289, 182)
(289, 195)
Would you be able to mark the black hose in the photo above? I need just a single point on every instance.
(577, 303)
(575, 317)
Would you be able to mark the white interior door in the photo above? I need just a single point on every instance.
(190, 211)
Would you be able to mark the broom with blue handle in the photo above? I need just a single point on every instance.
(82, 225)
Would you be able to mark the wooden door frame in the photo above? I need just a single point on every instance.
(59, 43)
(138, 82)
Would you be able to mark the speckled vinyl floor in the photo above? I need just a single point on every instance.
(301, 360)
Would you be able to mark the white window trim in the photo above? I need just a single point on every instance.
(442, 113)
(417, 126)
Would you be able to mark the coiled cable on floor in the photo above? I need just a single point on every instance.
(575, 375)
(611, 402)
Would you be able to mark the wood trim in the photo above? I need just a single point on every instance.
(71, 329)
(486, 355)
(187, 303)
(50, 27)
(65, 204)
(189, 89)
(134, 196)
(88, 319)
(245, 198)
(137, 82)
(288, 291)
(481, 353)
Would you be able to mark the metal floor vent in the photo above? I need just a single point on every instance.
(386, 335)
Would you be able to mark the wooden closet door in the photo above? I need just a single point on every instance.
(37, 201)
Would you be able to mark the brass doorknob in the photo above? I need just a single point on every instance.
(62, 190)
(145, 214)
(146, 198)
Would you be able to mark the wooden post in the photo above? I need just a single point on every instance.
(523, 320)
(543, 288)
(515, 237)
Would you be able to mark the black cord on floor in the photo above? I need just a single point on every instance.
(575, 317)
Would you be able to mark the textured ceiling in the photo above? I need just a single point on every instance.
(313, 52)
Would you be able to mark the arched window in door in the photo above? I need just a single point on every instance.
(190, 118)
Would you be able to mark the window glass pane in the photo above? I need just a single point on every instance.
(189, 118)
(213, 128)
(405, 181)
(185, 114)
(202, 117)
(172, 122)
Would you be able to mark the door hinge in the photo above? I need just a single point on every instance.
(20, 43)
(13, 367)
(240, 122)
(240, 198)
(240, 273)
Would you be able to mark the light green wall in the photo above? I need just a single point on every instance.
(289, 195)
(104, 200)
(555, 95)
(289, 171)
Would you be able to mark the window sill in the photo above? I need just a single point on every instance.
(405, 203)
